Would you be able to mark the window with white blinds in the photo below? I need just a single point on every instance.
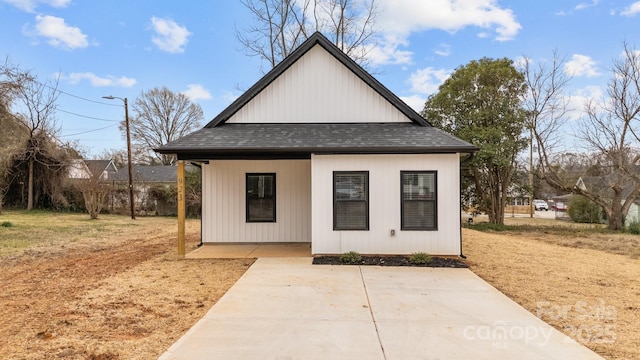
(419, 200)
(351, 200)
(261, 197)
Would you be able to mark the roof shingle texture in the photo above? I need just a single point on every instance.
(318, 138)
(144, 173)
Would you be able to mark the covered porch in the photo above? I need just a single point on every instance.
(250, 251)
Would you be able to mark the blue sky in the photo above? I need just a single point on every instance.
(123, 48)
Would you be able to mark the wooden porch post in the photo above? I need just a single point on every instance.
(181, 208)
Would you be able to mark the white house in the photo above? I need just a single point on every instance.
(85, 169)
(319, 151)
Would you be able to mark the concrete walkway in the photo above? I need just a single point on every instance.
(286, 308)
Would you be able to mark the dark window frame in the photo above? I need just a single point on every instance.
(248, 199)
(366, 200)
(434, 201)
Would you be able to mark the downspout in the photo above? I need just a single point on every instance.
(462, 163)
(201, 219)
(199, 165)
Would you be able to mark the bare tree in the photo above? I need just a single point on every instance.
(612, 130)
(94, 189)
(13, 137)
(546, 102)
(547, 107)
(161, 116)
(36, 113)
(609, 136)
(281, 25)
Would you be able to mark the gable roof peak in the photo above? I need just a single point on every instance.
(317, 38)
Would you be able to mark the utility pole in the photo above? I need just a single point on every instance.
(129, 162)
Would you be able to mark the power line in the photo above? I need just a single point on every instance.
(88, 117)
(76, 96)
(88, 131)
(85, 99)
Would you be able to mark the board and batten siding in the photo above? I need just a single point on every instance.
(224, 202)
(318, 89)
(384, 205)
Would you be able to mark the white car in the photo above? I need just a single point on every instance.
(540, 205)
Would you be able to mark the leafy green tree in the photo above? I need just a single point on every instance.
(481, 103)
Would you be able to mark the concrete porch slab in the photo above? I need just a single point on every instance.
(255, 250)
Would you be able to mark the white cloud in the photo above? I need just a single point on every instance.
(230, 96)
(581, 65)
(443, 50)
(632, 9)
(416, 102)
(196, 92)
(578, 101)
(170, 36)
(446, 15)
(30, 5)
(98, 81)
(586, 5)
(521, 61)
(426, 81)
(387, 52)
(58, 33)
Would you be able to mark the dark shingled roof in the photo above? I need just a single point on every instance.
(300, 140)
(147, 173)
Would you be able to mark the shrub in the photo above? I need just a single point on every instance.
(633, 228)
(6, 224)
(420, 258)
(351, 257)
(583, 210)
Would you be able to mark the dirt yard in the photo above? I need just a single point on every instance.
(118, 292)
(114, 289)
(591, 295)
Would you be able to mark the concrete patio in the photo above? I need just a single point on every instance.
(287, 308)
(244, 250)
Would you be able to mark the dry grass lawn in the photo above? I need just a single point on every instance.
(111, 288)
(591, 295)
(114, 289)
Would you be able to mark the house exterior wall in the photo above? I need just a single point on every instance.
(78, 170)
(384, 205)
(224, 202)
(633, 216)
(302, 94)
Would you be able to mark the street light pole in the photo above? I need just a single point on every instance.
(129, 162)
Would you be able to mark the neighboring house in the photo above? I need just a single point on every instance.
(145, 175)
(144, 178)
(84, 169)
(319, 151)
(601, 184)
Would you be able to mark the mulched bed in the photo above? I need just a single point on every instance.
(392, 261)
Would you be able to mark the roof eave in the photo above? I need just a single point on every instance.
(202, 154)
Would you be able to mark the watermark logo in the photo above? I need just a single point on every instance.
(500, 334)
(584, 322)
